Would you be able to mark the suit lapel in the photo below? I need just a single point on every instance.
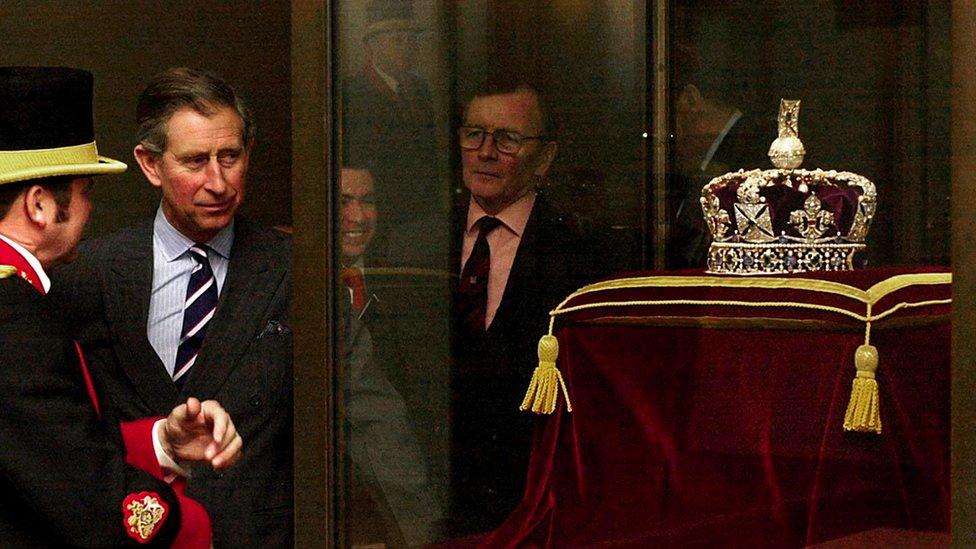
(248, 290)
(525, 267)
(127, 308)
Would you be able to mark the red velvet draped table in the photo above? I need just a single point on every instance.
(709, 411)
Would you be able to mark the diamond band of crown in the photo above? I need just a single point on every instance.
(787, 220)
(728, 257)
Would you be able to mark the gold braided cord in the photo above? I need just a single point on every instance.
(731, 303)
(867, 324)
(871, 295)
(708, 302)
(905, 305)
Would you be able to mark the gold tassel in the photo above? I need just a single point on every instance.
(863, 412)
(546, 380)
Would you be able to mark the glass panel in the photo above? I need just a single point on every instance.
(873, 78)
(539, 114)
(435, 446)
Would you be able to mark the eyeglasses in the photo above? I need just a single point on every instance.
(506, 142)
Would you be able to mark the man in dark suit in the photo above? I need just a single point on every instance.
(70, 475)
(517, 257)
(195, 302)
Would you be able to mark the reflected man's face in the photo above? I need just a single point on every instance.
(393, 51)
(496, 179)
(357, 211)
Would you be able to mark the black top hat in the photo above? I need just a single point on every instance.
(46, 126)
(390, 15)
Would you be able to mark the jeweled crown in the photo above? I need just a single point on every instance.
(787, 220)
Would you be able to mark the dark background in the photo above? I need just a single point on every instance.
(873, 78)
(124, 43)
(874, 84)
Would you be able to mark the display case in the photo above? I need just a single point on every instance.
(653, 101)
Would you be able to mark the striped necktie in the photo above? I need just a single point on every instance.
(471, 302)
(198, 309)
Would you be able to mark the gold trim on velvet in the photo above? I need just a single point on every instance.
(871, 295)
(72, 160)
(732, 303)
(863, 410)
(762, 323)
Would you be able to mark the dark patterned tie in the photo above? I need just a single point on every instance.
(198, 309)
(472, 299)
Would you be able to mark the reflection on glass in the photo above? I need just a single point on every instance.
(874, 84)
(443, 310)
(494, 158)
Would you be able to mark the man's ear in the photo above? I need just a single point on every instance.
(39, 206)
(149, 162)
(546, 156)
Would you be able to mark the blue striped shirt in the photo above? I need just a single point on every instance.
(172, 266)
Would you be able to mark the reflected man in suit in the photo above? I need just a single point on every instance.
(357, 227)
(388, 118)
(390, 497)
(711, 137)
(195, 301)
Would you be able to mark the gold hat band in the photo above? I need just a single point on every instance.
(71, 160)
(390, 25)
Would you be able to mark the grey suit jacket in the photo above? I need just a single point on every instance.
(245, 363)
(382, 446)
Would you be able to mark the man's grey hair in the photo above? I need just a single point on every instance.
(180, 87)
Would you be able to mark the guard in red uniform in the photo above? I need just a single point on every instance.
(68, 475)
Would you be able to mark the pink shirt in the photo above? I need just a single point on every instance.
(503, 243)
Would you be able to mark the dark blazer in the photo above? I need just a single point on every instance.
(491, 438)
(245, 363)
(463, 392)
(63, 475)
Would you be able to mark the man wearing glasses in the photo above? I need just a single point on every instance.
(518, 257)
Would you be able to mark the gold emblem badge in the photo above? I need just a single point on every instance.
(143, 513)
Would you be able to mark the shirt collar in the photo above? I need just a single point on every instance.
(515, 216)
(719, 138)
(174, 244)
(359, 264)
(32, 261)
(386, 78)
